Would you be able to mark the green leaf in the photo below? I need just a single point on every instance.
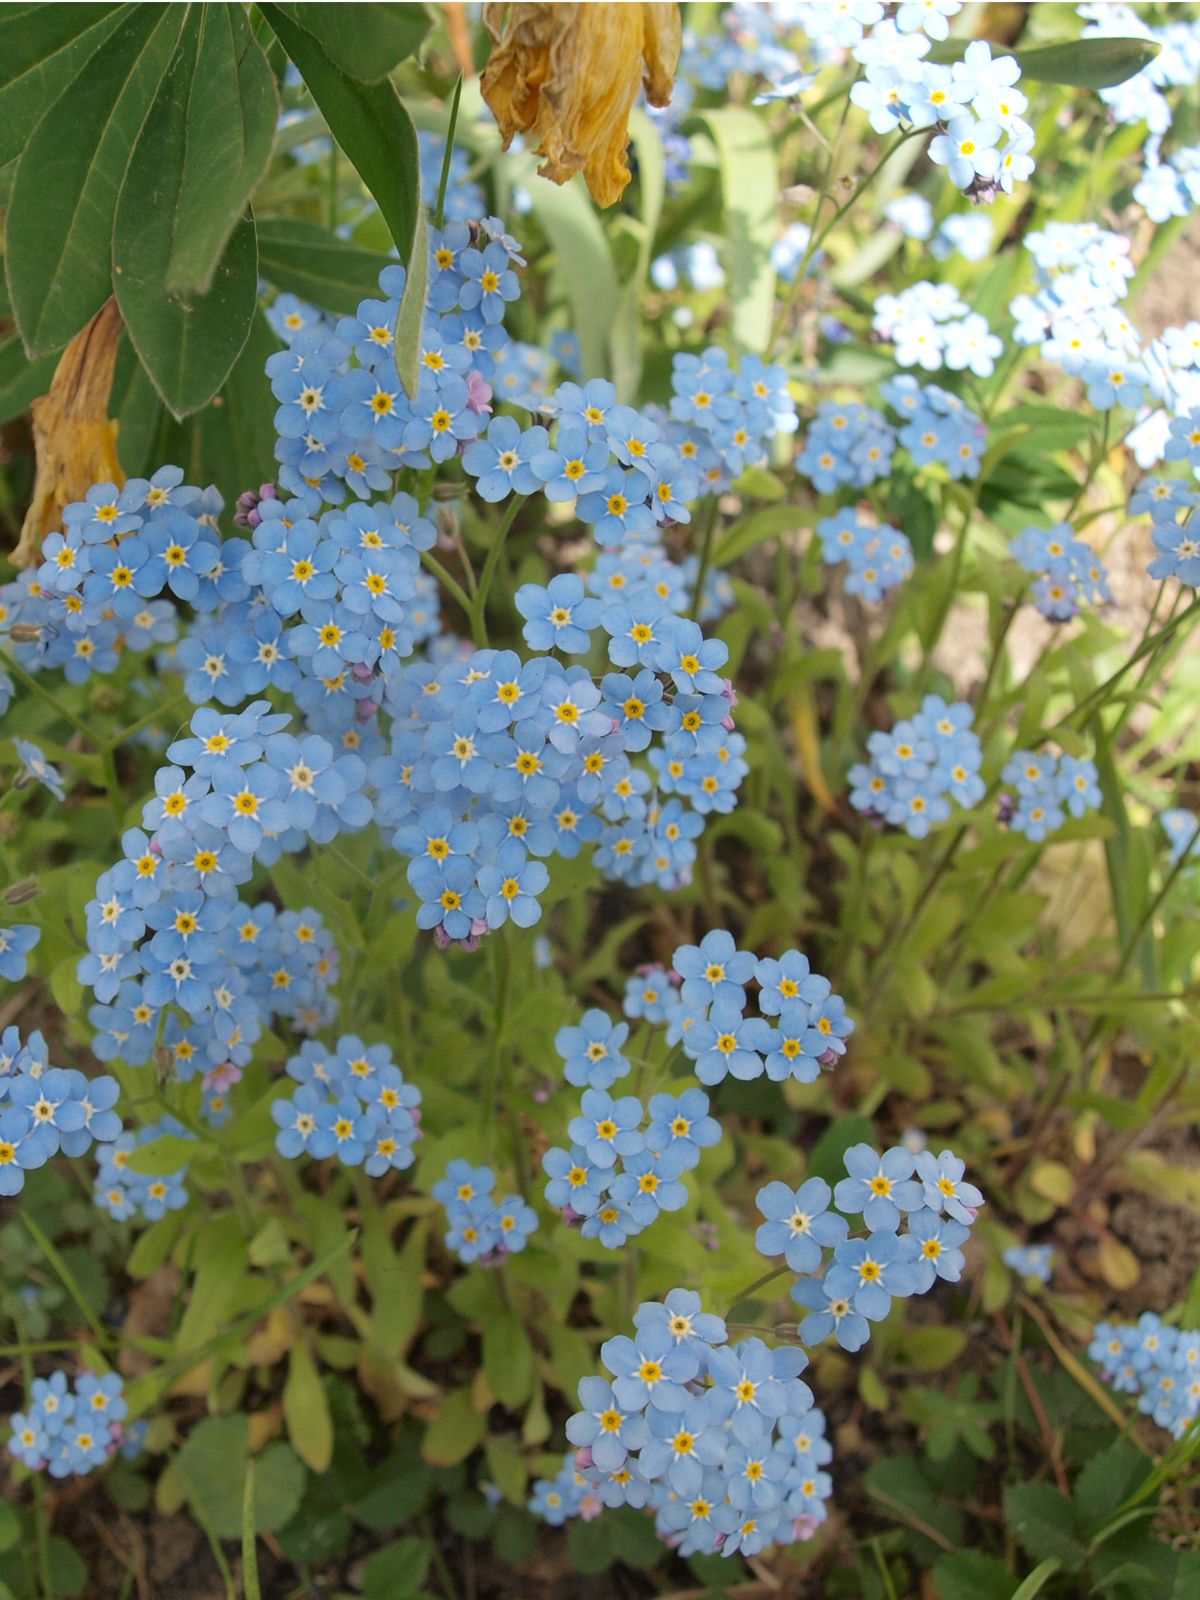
(406, 343)
(232, 109)
(306, 1409)
(10, 1527)
(826, 1158)
(231, 442)
(1088, 63)
(591, 1545)
(897, 1484)
(397, 1570)
(22, 380)
(1037, 1580)
(759, 526)
(212, 1468)
(187, 344)
(454, 1432)
(627, 327)
(1107, 1481)
(41, 49)
(367, 42)
(154, 1246)
(932, 1348)
(369, 123)
(309, 261)
(970, 1575)
(750, 184)
(1043, 1522)
(508, 1359)
(59, 226)
(166, 1155)
(585, 264)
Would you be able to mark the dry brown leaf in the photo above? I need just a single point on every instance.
(75, 441)
(568, 75)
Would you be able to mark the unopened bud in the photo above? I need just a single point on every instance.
(22, 780)
(164, 1064)
(25, 632)
(789, 1332)
(448, 491)
(20, 894)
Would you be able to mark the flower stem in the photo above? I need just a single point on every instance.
(710, 523)
(440, 218)
(475, 608)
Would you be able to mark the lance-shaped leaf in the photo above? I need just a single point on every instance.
(368, 40)
(41, 50)
(188, 343)
(232, 109)
(1078, 63)
(317, 265)
(367, 120)
(58, 231)
(406, 345)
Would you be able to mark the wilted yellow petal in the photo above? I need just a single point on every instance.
(75, 441)
(568, 75)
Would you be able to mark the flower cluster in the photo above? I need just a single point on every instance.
(1155, 1361)
(1047, 786)
(616, 1178)
(932, 327)
(482, 1228)
(846, 1292)
(936, 426)
(124, 1193)
(1181, 828)
(721, 1440)
(1034, 1261)
(1171, 504)
(352, 1103)
(1069, 573)
(72, 1430)
(45, 1109)
(919, 767)
(880, 557)
(849, 445)
(974, 104)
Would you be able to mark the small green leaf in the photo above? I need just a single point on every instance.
(826, 1158)
(406, 343)
(1044, 1523)
(59, 226)
(232, 110)
(508, 1359)
(41, 49)
(367, 42)
(397, 1570)
(368, 121)
(212, 1468)
(318, 266)
(971, 1575)
(454, 1432)
(167, 1155)
(306, 1410)
(154, 1246)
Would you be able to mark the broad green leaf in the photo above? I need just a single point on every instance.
(369, 123)
(154, 1246)
(187, 344)
(1088, 63)
(309, 261)
(306, 1410)
(508, 1359)
(826, 1158)
(585, 264)
(368, 40)
(1044, 1523)
(750, 184)
(231, 442)
(212, 1469)
(232, 109)
(627, 329)
(455, 1431)
(1107, 1481)
(59, 226)
(759, 526)
(406, 343)
(400, 1567)
(1077, 63)
(167, 1155)
(971, 1575)
(41, 49)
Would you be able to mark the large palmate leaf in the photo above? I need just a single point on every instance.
(367, 120)
(232, 109)
(58, 230)
(366, 41)
(41, 49)
(317, 265)
(187, 344)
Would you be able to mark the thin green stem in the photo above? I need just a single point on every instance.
(706, 545)
(41, 1532)
(159, 714)
(500, 976)
(440, 218)
(476, 608)
(31, 683)
(1095, 702)
(69, 1281)
(432, 564)
(759, 1283)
